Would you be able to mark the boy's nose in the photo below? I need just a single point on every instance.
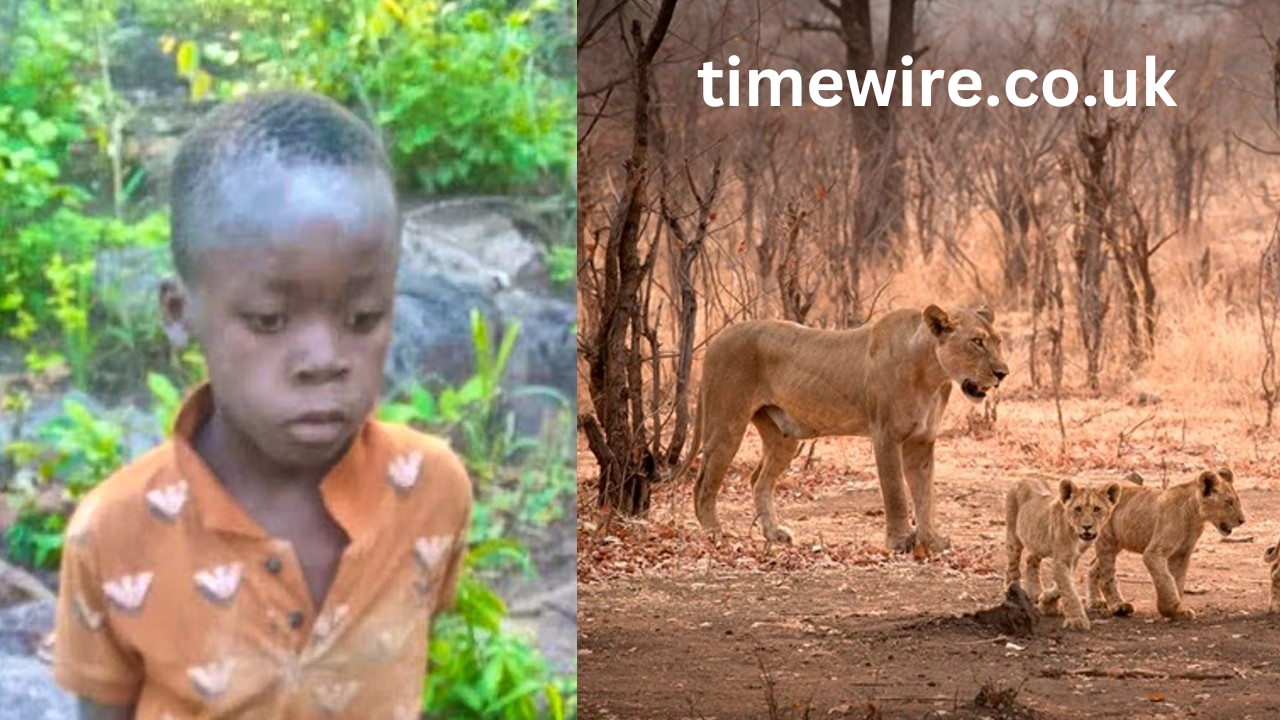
(320, 356)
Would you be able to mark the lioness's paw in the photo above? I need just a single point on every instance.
(934, 544)
(901, 543)
(780, 534)
(1124, 609)
(1179, 613)
(1080, 623)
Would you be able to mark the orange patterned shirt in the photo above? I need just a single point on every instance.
(173, 598)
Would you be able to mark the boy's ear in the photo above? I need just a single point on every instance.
(173, 312)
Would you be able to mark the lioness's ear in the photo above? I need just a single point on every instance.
(937, 320)
(1135, 478)
(1226, 475)
(1208, 483)
(986, 313)
(1112, 491)
(1271, 553)
(1066, 489)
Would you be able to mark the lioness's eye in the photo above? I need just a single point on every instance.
(977, 341)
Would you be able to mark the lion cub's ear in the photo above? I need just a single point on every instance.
(986, 313)
(1208, 483)
(1226, 475)
(1066, 489)
(937, 320)
(1272, 553)
(1112, 491)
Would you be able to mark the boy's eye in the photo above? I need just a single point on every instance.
(265, 322)
(366, 321)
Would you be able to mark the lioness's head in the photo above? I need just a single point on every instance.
(1219, 503)
(1088, 507)
(968, 348)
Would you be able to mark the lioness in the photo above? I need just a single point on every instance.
(889, 380)
(1164, 526)
(1058, 526)
(1272, 558)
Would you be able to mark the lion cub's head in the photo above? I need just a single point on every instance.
(968, 348)
(1219, 503)
(1088, 507)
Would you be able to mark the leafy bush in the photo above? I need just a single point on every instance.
(479, 669)
(455, 87)
(470, 410)
(74, 450)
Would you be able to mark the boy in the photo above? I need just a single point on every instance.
(282, 555)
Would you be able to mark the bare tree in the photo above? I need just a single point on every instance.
(1092, 172)
(686, 247)
(1268, 313)
(880, 206)
(626, 466)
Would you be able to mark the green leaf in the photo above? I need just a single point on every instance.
(188, 60)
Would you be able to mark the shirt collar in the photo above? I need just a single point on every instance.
(348, 490)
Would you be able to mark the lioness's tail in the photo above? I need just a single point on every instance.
(695, 445)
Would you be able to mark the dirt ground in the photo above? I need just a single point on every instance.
(671, 626)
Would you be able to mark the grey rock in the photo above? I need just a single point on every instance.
(431, 340)
(544, 356)
(26, 684)
(469, 238)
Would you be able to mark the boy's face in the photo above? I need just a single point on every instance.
(293, 305)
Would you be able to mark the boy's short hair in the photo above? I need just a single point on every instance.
(296, 128)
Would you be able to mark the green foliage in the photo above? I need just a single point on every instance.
(562, 264)
(35, 539)
(481, 669)
(166, 401)
(471, 409)
(74, 450)
(71, 300)
(457, 89)
(37, 296)
(458, 94)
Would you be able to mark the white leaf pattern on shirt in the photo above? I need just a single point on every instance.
(334, 697)
(212, 679)
(220, 583)
(430, 549)
(128, 591)
(404, 470)
(168, 501)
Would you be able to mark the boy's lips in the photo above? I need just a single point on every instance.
(318, 427)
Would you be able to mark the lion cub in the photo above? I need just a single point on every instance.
(1059, 526)
(1272, 558)
(1163, 525)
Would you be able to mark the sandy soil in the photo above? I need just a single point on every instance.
(673, 627)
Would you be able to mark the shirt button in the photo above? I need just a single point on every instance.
(273, 565)
(295, 619)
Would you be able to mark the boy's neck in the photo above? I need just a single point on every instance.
(239, 464)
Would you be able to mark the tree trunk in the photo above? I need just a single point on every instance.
(1088, 250)
(626, 466)
(880, 193)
